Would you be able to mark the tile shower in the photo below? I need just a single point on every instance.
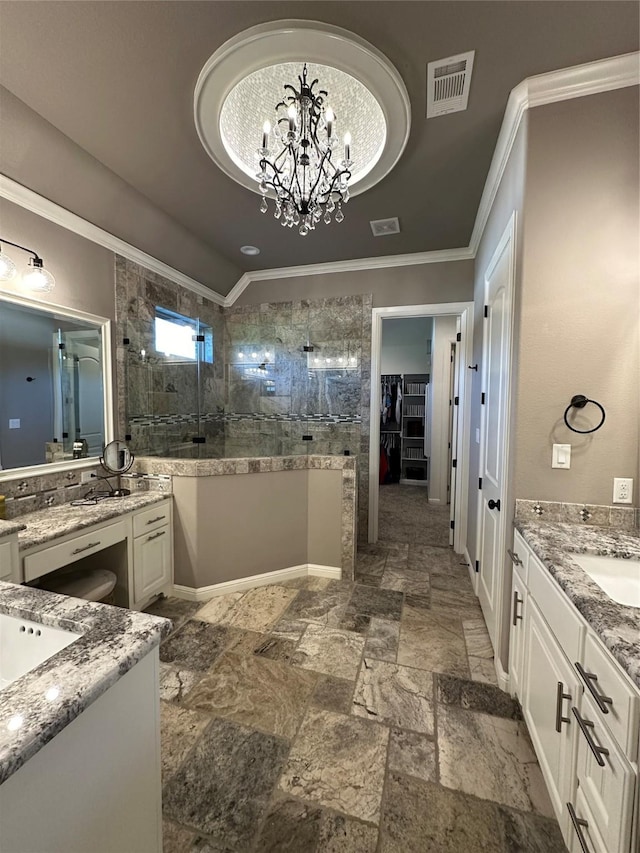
(262, 380)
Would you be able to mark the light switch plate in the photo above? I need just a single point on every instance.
(561, 456)
(14, 423)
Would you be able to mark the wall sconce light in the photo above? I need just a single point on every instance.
(36, 277)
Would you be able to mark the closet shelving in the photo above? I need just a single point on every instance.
(414, 429)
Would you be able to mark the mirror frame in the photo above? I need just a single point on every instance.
(107, 384)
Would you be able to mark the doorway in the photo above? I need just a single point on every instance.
(418, 459)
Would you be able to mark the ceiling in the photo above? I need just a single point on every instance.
(118, 79)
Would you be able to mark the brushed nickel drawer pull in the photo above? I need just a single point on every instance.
(588, 678)
(86, 547)
(515, 559)
(578, 823)
(585, 725)
(516, 602)
(559, 697)
(158, 518)
(155, 535)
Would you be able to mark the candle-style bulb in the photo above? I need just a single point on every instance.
(347, 145)
(291, 112)
(329, 117)
(266, 130)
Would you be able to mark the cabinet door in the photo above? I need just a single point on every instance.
(519, 606)
(550, 688)
(151, 563)
(608, 784)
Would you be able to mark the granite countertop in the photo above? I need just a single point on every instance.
(56, 521)
(37, 706)
(9, 527)
(617, 625)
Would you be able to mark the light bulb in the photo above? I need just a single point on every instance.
(347, 145)
(7, 267)
(291, 112)
(38, 278)
(266, 130)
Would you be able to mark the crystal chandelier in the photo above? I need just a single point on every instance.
(307, 184)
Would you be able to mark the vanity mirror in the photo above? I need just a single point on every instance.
(116, 460)
(55, 387)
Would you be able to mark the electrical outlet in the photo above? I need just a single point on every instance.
(86, 476)
(622, 490)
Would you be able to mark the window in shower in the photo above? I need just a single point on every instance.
(178, 337)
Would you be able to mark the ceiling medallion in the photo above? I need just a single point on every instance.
(304, 162)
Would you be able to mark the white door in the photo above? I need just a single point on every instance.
(496, 358)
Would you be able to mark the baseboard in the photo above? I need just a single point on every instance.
(473, 576)
(503, 677)
(204, 593)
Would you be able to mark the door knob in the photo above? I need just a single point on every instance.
(494, 504)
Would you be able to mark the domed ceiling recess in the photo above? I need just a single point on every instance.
(243, 81)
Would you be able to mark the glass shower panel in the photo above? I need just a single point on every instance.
(80, 404)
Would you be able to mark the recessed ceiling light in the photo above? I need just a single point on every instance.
(250, 250)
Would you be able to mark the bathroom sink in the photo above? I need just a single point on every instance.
(619, 578)
(24, 645)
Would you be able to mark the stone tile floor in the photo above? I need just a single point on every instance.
(321, 716)
(405, 515)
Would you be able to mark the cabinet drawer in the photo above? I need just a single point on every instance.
(608, 788)
(611, 683)
(49, 559)
(157, 516)
(520, 557)
(559, 613)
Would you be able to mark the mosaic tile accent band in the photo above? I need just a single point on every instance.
(622, 517)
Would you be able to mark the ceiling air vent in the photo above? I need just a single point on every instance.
(448, 82)
(382, 227)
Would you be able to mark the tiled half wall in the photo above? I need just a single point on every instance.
(281, 372)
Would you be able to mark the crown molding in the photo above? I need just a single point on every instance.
(32, 201)
(331, 267)
(603, 75)
(578, 81)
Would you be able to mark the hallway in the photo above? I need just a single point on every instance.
(405, 515)
(316, 715)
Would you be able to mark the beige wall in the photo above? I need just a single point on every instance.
(324, 496)
(420, 284)
(580, 322)
(231, 527)
(38, 156)
(84, 271)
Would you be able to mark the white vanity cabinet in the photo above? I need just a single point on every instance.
(582, 711)
(152, 552)
(9, 565)
(136, 545)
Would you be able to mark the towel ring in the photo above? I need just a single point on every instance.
(579, 402)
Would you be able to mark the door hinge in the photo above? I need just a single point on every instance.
(198, 338)
(60, 346)
(459, 336)
(453, 525)
(456, 401)
(479, 482)
(477, 565)
(483, 398)
(454, 463)
(486, 310)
